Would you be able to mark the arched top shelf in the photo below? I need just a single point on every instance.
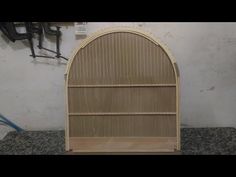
(123, 29)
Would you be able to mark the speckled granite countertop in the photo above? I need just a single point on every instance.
(202, 141)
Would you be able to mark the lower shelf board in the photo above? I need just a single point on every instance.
(123, 153)
(122, 144)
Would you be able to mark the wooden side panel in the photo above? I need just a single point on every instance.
(115, 126)
(121, 58)
(154, 99)
(120, 144)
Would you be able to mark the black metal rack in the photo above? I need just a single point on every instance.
(32, 28)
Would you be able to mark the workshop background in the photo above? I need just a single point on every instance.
(32, 91)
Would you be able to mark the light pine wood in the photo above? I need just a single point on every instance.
(121, 113)
(121, 58)
(121, 144)
(122, 99)
(123, 85)
(176, 152)
(124, 79)
(130, 125)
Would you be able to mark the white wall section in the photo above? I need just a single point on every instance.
(32, 91)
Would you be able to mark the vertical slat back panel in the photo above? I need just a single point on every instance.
(123, 126)
(121, 58)
(122, 85)
(136, 99)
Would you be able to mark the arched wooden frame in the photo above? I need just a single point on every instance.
(163, 145)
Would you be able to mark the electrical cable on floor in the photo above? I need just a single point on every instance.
(9, 123)
(3, 123)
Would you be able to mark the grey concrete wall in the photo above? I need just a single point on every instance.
(32, 92)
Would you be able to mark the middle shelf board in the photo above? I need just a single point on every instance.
(121, 113)
(122, 85)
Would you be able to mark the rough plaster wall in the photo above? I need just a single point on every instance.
(32, 92)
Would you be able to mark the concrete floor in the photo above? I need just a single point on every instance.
(194, 141)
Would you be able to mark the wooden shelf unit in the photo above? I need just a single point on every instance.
(122, 91)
